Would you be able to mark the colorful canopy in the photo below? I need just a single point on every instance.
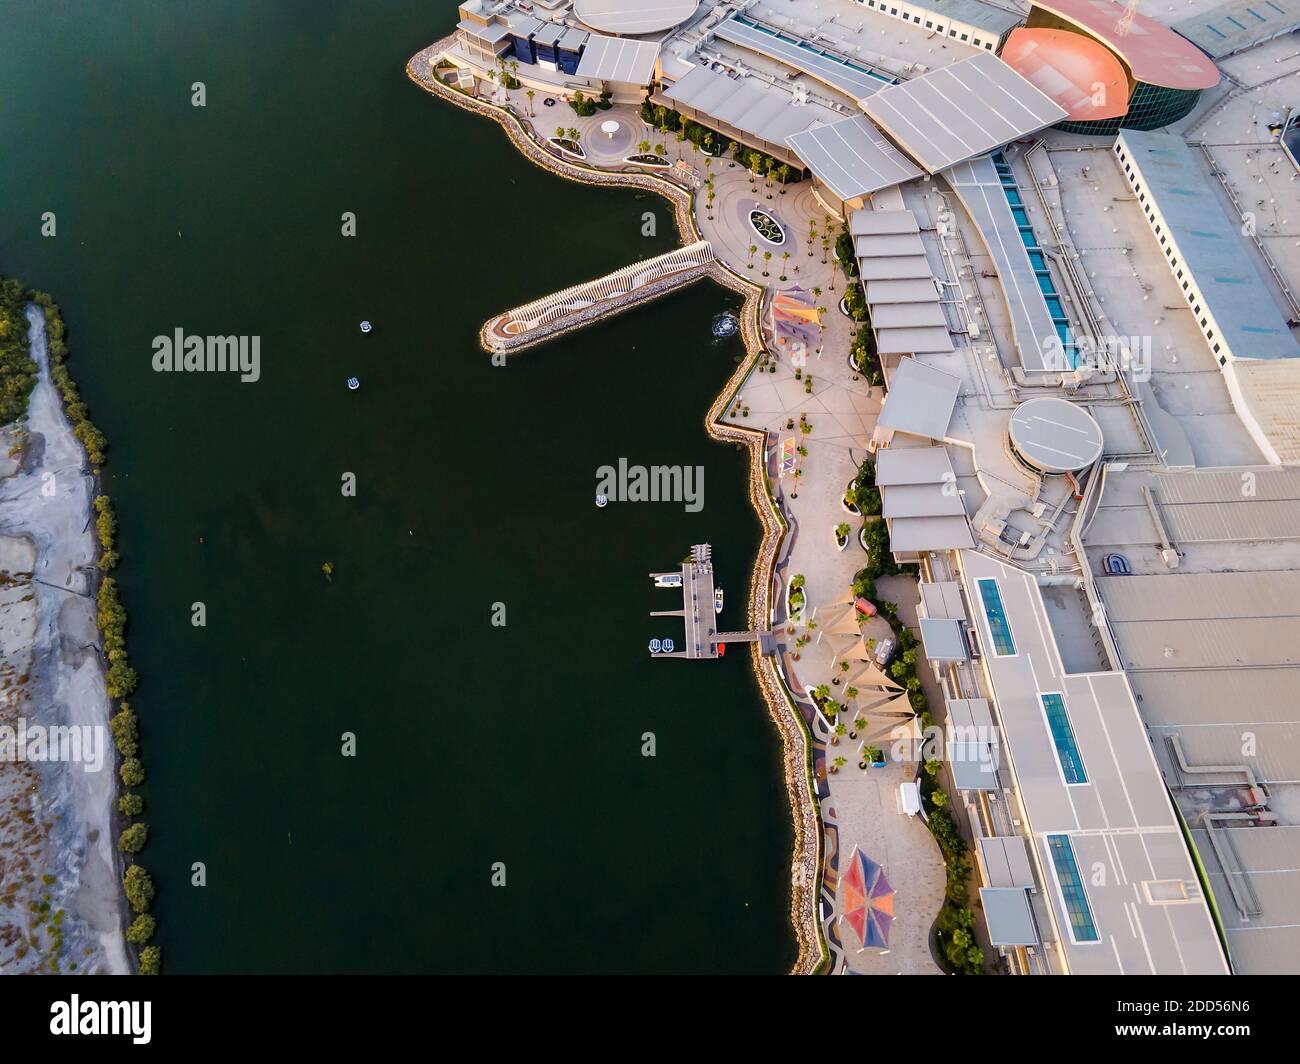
(789, 456)
(867, 900)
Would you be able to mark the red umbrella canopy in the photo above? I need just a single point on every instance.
(867, 900)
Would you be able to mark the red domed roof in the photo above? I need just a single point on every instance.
(1154, 53)
(1081, 75)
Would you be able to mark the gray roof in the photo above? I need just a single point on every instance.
(574, 39)
(1006, 911)
(843, 74)
(634, 16)
(1055, 435)
(1208, 245)
(920, 400)
(943, 639)
(911, 535)
(888, 247)
(954, 113)
(912, 465)
(1121, 820)
(920, 500)
(749, 104)
(1214, 660)
(617, 59)
(1239, 24)
(1005, 861)
(977, 184)
(942, 598)
(522, 25)
(852, 157)
(550, 33)
(973, 13)
(493, 32)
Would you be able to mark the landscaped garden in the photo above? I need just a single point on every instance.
(767, 227)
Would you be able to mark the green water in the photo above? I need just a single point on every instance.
(476, 744)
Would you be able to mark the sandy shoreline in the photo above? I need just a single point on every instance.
(56, 837)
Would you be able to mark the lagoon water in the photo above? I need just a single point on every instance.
(475, 744)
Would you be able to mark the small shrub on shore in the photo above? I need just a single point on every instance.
(150, 960)
(133, 839)
(125, 727)
(132, 772)
(17, 370)
(139, 888)
(141, 929)
(130, 805)
(106, 531)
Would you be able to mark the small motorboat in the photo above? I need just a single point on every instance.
(655, 646)
(353, 384)
(670, 580)
(668, 646)
(602, 501)
(717, 600)
(366, 326)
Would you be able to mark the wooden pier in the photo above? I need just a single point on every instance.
(702, 637)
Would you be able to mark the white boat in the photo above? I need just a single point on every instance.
(366, 326)
(671, 580)
(717, 600)
(601, 501)
(668, 646)
(655, 646)
(353, 384)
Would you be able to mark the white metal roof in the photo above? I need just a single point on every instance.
(852, 157)
(1005, 859)
(1209, 245)
(1239, 24)
(943, 639)
(913, 465)
(920, 400)
(616, 59)
(980, 190)
(634, 16)
(956, 112)
(1006, 911)
(750, 104)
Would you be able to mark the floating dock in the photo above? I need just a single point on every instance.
(697, 612)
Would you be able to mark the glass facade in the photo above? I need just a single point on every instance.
(1003, 645)
(1151, 107)
(1074, 897)
(1067, 749)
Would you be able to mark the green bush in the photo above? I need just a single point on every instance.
(125, 727)
(130, 805)
(17, 370)
(139, 888)
(133, 839)
(132, 772)
(150, 960)
(141, 929)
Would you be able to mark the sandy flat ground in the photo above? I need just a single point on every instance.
(55, 818)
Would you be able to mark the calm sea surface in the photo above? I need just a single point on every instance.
(475, 744)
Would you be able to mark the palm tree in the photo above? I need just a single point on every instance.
(783, 175)
(559, 132)
(817, 292)
(841, 535)
(769, 165)
(660, 150)
(681, 136)
(574, 135)
(531, 96)
(767, 257)
(840, 730)
(752, 250)
(785, 256)
(837, 764)
(850, 693)
(812, 236)
(643, 147)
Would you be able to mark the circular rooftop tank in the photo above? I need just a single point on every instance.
(628, 18)
(1055, 435)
